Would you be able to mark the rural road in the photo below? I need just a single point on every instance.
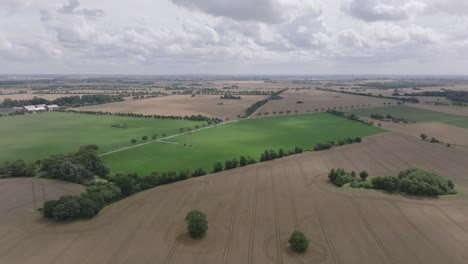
(164, 139)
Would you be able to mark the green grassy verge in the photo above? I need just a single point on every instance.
(36, 136)
(247, 137)
(414, 114)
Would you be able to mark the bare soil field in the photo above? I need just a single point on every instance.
(181, 105)
(456, 136)
(252, 211)
(321, 100)
(460, 111)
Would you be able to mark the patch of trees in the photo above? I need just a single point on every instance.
(199, 118)
(352, 117)
(341, 142)
(455, 96)
(17, 168)
(298, 241)
(396, 85)
(71, 101)
(230, 97)
(79, 167)
(197, 225)
(410, 181)
(124, 125)
(258, 104)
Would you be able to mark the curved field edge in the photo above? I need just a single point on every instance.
(36, 136)
(247, 137)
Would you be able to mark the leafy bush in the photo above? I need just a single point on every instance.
(197, 225)
(298, 241)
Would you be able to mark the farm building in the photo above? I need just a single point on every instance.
(34, 108)
(52, 107)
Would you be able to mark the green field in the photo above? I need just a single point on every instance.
(414, 114)
(229, 141)
(36, 136)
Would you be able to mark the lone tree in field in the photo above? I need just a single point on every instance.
(423, 136)
(154, 136)
(363, 175)
(144, 138)
(196, 223)
(133, 141)
(298, 241)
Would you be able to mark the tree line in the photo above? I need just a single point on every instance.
(410, 181)
(200, 118)
(400, 99)
(258, 104)
(70, 101)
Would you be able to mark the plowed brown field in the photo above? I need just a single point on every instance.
(313, 100)
(252, 210)
(181, 105)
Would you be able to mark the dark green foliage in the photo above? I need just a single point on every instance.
(144, 138)
(363, 175)
(230, 96)
(17, 168)
(217, 167)
(199, 172)
(434, 140)
(410, 181)
(49, 207)
(197, 225)
(322, 146)
(341, 142)
(72, 101)
(258, 104)
(126, 183)
(78, 167)
(133, 141)
(67, 208)
(298, 241)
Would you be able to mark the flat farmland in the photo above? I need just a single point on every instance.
(415, 114)
(252, 211)
(313, 100)
(450, 109)
(181, 105)
(36, 136)
(229, 141)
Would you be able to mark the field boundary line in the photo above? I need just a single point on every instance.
(372, 232)
(421, 233)
(253, 219)
(279, 254)
(232, 221)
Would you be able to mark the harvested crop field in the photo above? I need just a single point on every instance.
(181, 105)
(453, 110)
(252, 210)
(319, 101)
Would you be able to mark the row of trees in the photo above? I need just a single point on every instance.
(71, 101)
(200, 118)
(400, 99)
(17, 168)
(410, 181)
(258, 104)
(230, 96)
(341, 142)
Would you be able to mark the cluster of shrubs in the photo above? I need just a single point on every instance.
(410, 181)
(272, 154)
(17, 168)
(432, 140)
(341, 142)
(99, 194)
(200, 118)
(230, 96)
(79, 167)
(234, 163)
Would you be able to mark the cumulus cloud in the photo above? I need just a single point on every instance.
(383, 10)
(72, 7)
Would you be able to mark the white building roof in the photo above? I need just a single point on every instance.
(52, 106)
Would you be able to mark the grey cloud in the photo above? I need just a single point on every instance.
(242, 10)
(375, 10)
(72, 7)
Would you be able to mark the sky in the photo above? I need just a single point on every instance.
(234, 37)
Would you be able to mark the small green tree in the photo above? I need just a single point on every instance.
(196, 223)
(154, 136)
(363, 175)
(133, 141)
(217, 167)
(423, 136)
(144, 138)
(298, 241)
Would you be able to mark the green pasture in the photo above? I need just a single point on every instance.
(36, 136)
(229, 141)
(414, 114)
